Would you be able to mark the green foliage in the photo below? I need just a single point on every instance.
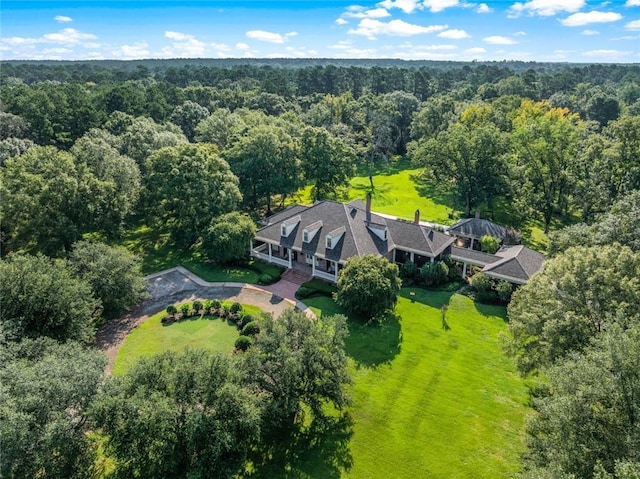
(589, 420)
(186, 187)
(197, 305)
(46, 390)
(243, 342)
(481, 282)
(42, 297)
(504, 290)
(265, 160)
(489, 244)
(409, 271)
(228, 237)
(315, 287)
(434, 274)
(179, 415)
(368, 286)
(171, 309)
(113, 273)
(235, 308)
(299, 362)
(251, 328)
(327, 162)
(575, 297)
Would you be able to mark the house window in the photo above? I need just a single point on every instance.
(309, 259)
(385, 234)
(329, 242)
(305, 236)
(283, 230)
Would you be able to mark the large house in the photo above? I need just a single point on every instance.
(319, 239)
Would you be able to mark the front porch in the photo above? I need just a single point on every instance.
(322, 268)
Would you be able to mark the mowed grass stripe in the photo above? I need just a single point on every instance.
(448, 405)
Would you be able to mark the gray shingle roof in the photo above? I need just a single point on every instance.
(472, 256)
(286, 213)
(477, 228)
(358, 239)
(517, 263)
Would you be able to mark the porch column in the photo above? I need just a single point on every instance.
(269, 252)
(313, 265)
(464, 270)
(411, 257)
(394, 255)
(335, 272)
(250, 247)
(471, 246)
(290, 264)
(432, 259)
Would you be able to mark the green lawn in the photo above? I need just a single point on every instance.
(397, 192)
(429, 401)
(433, 402)
(152, 337)
(158, 253)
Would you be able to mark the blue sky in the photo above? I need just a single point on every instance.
(538, 30)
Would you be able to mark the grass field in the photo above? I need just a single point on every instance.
(152, 337)
(158, 253)
(430, 402)
(397, 192)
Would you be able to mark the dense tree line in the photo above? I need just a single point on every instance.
(577, 323)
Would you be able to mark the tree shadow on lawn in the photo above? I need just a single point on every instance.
(372, 343)
(436, 191)
(319, 450)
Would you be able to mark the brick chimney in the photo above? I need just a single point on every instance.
(368, 208)
(416, 217)
(477, 213)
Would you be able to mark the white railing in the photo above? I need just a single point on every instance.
(328, 276)
(273, 259)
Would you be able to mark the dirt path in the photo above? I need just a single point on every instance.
(178, 285)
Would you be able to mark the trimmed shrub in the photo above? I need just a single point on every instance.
(434, 274)
(481, 282)
(266, 279)
(171, 309)
(489, 244)
(250, 328)
(185, 309)
(216, 304)
(409, 272)
(304, 292)
(243, 343)
(235, 308)
(504, 290)
(197, 306)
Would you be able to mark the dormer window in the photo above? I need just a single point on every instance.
(386, 233)
(305, 236)
(310, 231)
(333, 237)
(288, 225)
(380, 230)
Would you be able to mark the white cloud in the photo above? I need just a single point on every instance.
(68, 35)
(545, 8)
(475, 51)
(499, 40)
(185, 45)
(454, 34)
(370, 28)
(484, 8)
(407, 6)
(590, 32)
(627, 37)
(20, 41)
(62, 19)
(291, 34)
(427, 48)
(356, 11)
(268, 37)
(436, 6)
(341, 21)
(606, 55)
(520, 34)
(137, 50)
(634, 25)
(242, 46)
(632, 3)
(346, 50)
(587, 18)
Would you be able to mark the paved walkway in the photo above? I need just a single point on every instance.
(177, 285)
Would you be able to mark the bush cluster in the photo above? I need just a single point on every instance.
(315, 287)
(431, 274)
(491, 291)
(211, 307)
